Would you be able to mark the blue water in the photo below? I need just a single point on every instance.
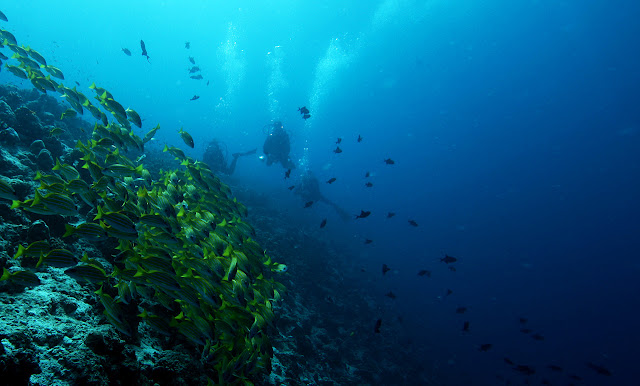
(515, 128)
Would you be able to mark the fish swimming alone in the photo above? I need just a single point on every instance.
(303, 110)
(126, 51)
(448, 259)
(323, 223)
(291, 187)
(187, 45)
(308, 204)
(389, 161)
(359, 138)
(287, 174)
(413, 223)
(368, 241)
(385, 269)
(331, 180)
(485, 347)
(537, 337)
(424, 272)
(368, 184)
(390, 214)
(465, 326)
(390, 295)
(338, 150)
(144, 50)
(363, 214)
(338, 140)
(195, 97)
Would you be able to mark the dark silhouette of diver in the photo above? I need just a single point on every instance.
(216, 158)
(277, 146)
(309, 189)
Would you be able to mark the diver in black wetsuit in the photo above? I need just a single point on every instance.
(216, 158)
(309, 190)
(276, 147)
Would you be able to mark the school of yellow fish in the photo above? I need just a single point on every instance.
(184, 255)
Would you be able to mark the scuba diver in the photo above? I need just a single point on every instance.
(276, 147)
(216, 158)
(309, 190)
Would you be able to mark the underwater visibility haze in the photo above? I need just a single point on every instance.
(384, 192)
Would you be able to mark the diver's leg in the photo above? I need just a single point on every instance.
(232, 167)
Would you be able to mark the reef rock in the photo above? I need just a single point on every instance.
(44, 161)
(9, 136)
(28, 126)
(6, 114)
(36, 147)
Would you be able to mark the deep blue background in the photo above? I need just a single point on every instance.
(515, 127)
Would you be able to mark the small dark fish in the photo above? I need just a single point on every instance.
(524, 369)
(207, 83)
(389, 161)
(194, 98)
(308, 204)
(187, 45)
(291, 187)
(323, 223)
(306, 116)
(424, 272)
(465, 326)
(452, 269)
(523, 320)
(368, 241)
(449, 292)
(575, 377)
(599, 369)
(287, 173)
(390, 295)
(338, 150)
(363, 214)
(413, 223)
(368, 184)
(555, 368)
(390, 214)
(144, 50)
(485, 347)
(338, 141)
(461, 310)
(367, 174)
(537, 337)
(192, 60)
(526, 330)
(78, 83)
(385, 269)
(508, 361)
(303, 110)
(126, 51)
(376, 328)
(331, 180)
(196, 77)
(194, 69)
(359, 138)
(448, 259)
